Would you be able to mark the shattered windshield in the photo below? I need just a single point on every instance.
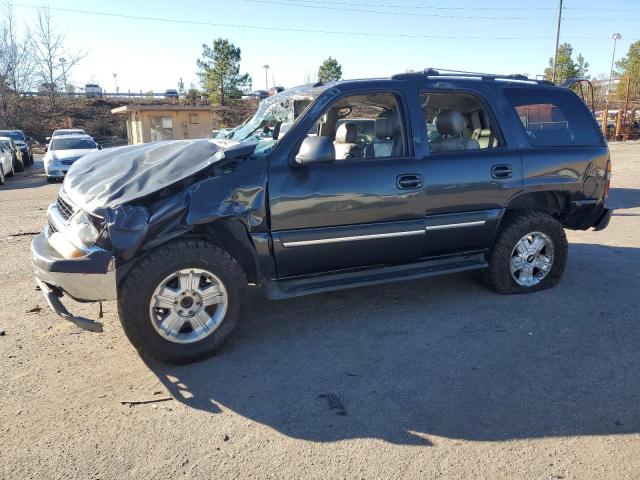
(274, 117)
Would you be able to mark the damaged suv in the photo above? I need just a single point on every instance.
(326, 187)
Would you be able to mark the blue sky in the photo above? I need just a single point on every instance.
(515, 38)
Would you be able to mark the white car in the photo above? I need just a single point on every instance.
(64, 151)
(6, 162)
(64, 131)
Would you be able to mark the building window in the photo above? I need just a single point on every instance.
(161, 128)
(194, 118)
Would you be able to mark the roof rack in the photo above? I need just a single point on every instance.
(445, 72)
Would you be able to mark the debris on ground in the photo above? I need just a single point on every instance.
(131, 403)
(1, 332)
(24, 234)
(225, 437)
(35, 309)
(334, 403)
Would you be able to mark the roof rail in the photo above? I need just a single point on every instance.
(446, 72)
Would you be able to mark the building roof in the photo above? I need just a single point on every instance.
(167, 108)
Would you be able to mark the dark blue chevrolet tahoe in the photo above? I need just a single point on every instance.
(326, 187)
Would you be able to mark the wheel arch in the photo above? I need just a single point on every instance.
(552, 202)
(229, 234)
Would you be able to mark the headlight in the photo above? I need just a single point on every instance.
(82, 231)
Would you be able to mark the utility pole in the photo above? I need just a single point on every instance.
(555, 58)
(115, 82)
(266, 78)
(64, 75)
(615, 37)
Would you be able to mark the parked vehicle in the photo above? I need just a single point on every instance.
(93, 90)
(274, 90)
(171, 93)
(23, 142)
(64, 131)
(64, 151)
(16, 153)
(6, 161)
(177, 231)
(261, 94)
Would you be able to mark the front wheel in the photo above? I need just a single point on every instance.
(182, 301)
(1, 175)
(18, 166)
(529, 254)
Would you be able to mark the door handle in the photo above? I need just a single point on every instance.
(501, 171)
(409, 181)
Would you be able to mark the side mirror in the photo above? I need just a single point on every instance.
(47, 139)
(316, 150)
(99, 147)
(46, 147)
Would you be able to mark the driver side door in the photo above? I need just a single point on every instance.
(353, 212)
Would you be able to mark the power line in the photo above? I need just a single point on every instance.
(297, 30)
(416, 14)
(465, 8)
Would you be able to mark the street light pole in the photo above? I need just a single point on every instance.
(555, 58)
(615, 37)
(266, 78)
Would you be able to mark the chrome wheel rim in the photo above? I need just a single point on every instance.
(188, 305)
(531, 259)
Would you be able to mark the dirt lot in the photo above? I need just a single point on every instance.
(438, 378)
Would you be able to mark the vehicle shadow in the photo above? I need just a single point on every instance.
(620, 198)
(437, 357)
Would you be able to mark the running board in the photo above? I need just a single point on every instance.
(295, 287)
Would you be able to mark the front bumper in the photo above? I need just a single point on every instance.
(56, 170)
(90, 278)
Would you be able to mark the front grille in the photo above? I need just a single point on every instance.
(68, 162)
(52, 228)
(66, 210)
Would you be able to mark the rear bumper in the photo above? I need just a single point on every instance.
(585, 214)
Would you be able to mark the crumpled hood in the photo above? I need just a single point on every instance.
(116, 176)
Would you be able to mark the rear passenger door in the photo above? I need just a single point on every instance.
(471, 173)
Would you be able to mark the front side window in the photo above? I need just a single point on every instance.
(457, 122)
(553, 118)
(367, 125)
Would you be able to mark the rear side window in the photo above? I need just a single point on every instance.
(553, 118)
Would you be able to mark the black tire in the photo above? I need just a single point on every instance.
(1, 175)
(515, 226)
(12, 172)
(134, 296)
(51, 180)
(19, 166)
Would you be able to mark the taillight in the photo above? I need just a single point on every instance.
(608, 184)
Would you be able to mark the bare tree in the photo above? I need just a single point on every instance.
(16, 64)
(52, 60)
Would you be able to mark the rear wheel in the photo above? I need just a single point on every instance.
(12, 172)
(529, 254)
(18, 166)
(181, 302)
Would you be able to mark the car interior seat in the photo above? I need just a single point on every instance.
(451, 125)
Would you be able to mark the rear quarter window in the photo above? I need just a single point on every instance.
(554, 118)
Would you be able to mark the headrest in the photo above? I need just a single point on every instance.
(450, 122)
(478, 133)
(347, 133)
(387, 124)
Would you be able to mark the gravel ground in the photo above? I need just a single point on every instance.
(438, 378)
